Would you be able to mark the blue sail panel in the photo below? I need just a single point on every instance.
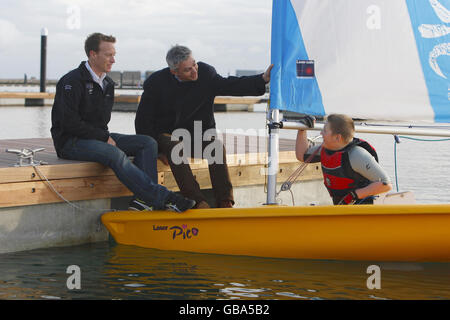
(290, 91)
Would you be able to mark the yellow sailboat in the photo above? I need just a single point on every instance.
(359, 232)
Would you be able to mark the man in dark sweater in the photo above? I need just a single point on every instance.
(182, 97)
(80, 116)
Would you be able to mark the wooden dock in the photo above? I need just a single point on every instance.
(76, 180)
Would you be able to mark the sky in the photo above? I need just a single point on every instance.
(228, 34)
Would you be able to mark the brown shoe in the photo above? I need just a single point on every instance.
(226, 204)
(202, 205)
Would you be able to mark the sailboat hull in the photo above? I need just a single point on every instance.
(360, 232)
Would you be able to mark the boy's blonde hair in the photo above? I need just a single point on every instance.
(343, 125)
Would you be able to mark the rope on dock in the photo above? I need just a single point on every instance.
(99, 223)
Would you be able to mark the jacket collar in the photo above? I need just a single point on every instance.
(86, 75)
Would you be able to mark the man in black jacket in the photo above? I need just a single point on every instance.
(80, 116)
(182, 97)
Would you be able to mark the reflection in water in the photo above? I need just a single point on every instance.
(42, 121)
(127, 272)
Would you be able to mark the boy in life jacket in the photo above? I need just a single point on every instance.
(351, 172)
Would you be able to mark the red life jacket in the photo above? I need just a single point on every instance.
(338, 176)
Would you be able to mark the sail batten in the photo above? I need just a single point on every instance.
(372, 59)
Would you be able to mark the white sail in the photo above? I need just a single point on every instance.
(371, 59)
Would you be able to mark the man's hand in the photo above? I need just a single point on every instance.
(266, 75)
(350, 198)
(308, 121)
(111, 141)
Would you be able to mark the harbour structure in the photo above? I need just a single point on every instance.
(126, 102)
(46, 201)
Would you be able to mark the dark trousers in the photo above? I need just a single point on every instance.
(189, 187)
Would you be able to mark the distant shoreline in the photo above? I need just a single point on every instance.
(50, 83)
(22, 82)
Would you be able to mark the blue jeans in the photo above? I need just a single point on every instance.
(140, 176)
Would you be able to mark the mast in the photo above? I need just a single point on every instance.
(274, 137)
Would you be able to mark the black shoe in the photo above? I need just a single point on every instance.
(179, 203)
(139, 205)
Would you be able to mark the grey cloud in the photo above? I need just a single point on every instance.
(228, 34)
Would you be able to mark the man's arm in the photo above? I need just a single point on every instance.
(303, 149)
(301, 145)
(365, 164)
(373, 189)
(238, 86)
(146, 120)
(69, 98)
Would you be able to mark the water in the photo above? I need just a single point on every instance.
(110, 271)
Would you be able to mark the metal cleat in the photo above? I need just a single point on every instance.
(26, 157)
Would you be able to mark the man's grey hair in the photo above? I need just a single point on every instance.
(177, 54)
